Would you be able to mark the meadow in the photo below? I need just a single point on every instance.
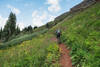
(81, 33)
(38, 52)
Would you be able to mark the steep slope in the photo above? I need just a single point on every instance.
(38, 52)
(81, 33)
(20, 38)
(65, 60)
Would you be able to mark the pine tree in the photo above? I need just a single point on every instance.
(35, 27)
(47, 25)
(30, 28)
(0, 33)
(17, 30)
(10, 27)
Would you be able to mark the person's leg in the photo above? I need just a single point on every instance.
(59, 41)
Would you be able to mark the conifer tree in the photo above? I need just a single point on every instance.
(30, 28)
(17, 30)
(0, 33)
(10, 27)
(47, 25)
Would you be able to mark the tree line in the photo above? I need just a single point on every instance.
(10, 29)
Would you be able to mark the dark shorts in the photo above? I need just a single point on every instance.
(58, 35)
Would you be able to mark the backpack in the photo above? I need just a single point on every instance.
(58, 31)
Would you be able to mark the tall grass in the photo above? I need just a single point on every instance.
(82, 34)
(83, 37)
(31, 53)
(20, 39)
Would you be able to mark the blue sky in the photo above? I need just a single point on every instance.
(34, 12)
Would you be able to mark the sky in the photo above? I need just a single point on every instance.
(34, 12)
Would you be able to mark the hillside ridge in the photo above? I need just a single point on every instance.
(80, 7)
(80, 33)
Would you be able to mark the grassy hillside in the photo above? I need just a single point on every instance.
(81, 33)
(38, 52)
(20, 38)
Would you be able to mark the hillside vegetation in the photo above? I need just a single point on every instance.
(38, 52)
(81, 33)
(20, 38)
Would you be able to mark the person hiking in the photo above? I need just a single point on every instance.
(58, 35)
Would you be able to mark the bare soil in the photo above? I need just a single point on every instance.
(65, 60)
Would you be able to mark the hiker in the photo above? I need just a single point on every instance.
(58, 35)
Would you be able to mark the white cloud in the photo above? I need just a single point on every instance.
(2, 21)
(54, 5)
(21, 25)
(14, 10)
(38, 19)
(41, 18)
(51, 18)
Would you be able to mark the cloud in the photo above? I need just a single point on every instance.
(2, 21)
(54, 5)
(41, 18)
(38, 18)
(51, 18)
(14, 10)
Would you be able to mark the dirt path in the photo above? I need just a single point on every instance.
(65, 60)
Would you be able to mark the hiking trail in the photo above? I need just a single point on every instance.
(65, 60)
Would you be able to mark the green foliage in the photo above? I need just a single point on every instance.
(32, 53)
(82, 35)
(47, 25)
(35, 27)
(0, 33)
(10, 27)
(20, 39)
(53, 56)
(17, 30)
(28, 29)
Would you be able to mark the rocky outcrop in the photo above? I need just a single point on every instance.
(80, 7)
(83, 5)
(97, 0)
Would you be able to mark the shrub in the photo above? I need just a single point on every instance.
(53, 56)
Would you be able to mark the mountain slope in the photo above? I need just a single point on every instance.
(80, 32)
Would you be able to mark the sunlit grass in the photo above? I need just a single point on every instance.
(82, 34)
(30, 53)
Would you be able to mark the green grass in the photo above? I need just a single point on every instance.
(31, 53)
(82, 34)
(20, 39)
